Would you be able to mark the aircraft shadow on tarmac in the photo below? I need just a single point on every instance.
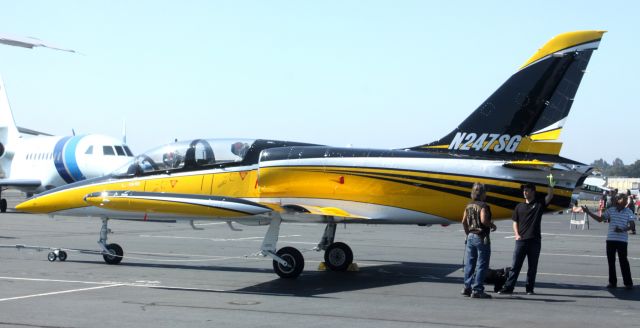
(318, 283)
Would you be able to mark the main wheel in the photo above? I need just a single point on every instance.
(51, 256)
(338, 257)
(3, 205)
(115, 254)
(62, 256)
(294, 258)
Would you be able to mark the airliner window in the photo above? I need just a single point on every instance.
(107, 150)
(119, 150)
(128, 151)
(89, 150)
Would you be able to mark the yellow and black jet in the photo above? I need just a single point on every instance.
(507, 141)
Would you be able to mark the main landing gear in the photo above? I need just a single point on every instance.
(337, 256)
(288, 262)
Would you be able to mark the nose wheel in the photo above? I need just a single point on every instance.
(114, 255)
(295, 263)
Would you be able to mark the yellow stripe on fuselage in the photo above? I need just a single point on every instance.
(443, 195)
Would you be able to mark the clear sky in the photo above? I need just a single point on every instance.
(378, 74)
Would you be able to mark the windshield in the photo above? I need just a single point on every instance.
(187, 154)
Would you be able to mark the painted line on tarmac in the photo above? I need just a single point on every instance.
(58, 292)
(578, 275)
(585, 255)
(563, 235)
(214, 239)
(141, 283)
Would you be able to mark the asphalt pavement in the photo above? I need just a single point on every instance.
(409, 276)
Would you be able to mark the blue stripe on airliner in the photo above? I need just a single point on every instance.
(70, 158)
(59, 161)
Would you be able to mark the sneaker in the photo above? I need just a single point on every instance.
(480, 295)
(530, 292)
(611, 286)
(505, 291)
(466, 292)
(628, 287)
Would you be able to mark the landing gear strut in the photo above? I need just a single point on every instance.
(288, 262)
(112, 253)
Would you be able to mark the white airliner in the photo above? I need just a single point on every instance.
(42, 162)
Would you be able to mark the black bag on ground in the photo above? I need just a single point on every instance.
(497, 278)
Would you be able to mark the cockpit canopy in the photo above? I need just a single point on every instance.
(191, 154)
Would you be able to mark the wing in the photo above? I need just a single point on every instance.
(20, 183)
(172, 204)
(189, 206)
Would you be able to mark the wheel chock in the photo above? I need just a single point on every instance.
(322, 267)
(353, 267)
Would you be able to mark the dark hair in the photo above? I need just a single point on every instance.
(528, 185)
(477, 191)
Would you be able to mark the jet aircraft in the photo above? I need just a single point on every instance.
(43, 162)
(507, 141)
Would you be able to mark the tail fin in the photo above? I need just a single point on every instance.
(8, 130)
(530, 108)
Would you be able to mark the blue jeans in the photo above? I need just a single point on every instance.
(530, 249)
(476, 263)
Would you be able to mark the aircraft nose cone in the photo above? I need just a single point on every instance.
(29, 206)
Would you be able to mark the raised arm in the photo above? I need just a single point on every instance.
(547, 199)
(593, 215)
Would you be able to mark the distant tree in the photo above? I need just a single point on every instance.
(617, 168)
(601, 165)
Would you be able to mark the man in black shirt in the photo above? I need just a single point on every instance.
(526, 226)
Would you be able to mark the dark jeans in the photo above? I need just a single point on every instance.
(476, 263)
(530, 249)
(621, 248)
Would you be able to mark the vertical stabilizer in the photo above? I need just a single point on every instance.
(8, 130)
(524, 117)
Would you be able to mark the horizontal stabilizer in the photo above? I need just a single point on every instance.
(532, 164)
(188, 205)
(32, 132)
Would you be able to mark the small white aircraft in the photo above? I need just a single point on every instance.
(43, 162)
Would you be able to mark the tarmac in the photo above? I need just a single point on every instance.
(409, 276)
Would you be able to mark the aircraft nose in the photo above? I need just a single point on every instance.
(31, 205)
(44, 204)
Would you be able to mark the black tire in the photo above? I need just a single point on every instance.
(295, 260)
(62, 256)
(3, 205)
(338, 257)
(116, 254)
(52, 256)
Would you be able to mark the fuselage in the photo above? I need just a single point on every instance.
(383, 186)
(58, 160)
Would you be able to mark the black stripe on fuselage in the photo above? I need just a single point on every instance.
(560, 201)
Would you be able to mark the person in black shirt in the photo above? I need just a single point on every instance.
(526, 227)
